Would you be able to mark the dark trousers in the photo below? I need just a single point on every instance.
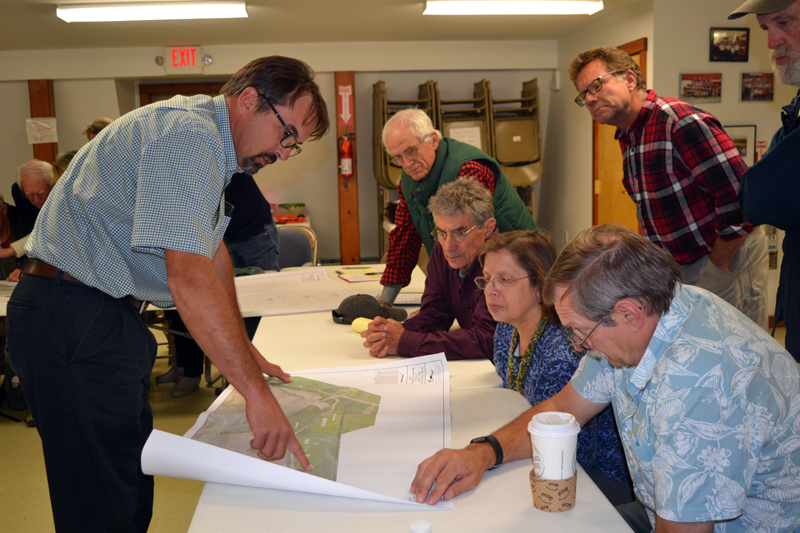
(84, 361)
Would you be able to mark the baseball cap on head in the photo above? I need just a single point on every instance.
(365, 306)
(760, 7)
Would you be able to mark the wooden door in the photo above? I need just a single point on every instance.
(611, 201)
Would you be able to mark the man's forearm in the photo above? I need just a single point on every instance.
(514, 438)
(722, 252)
(204, 302)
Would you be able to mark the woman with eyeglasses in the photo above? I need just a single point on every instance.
(533, 353)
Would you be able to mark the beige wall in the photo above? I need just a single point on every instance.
(92, 83)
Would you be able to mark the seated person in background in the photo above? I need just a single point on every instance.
(705, 399)
(62, 162)
(515, 266)
(252, 241)
(462, 212)
(92, 129)
(430, 161)
(33, 186)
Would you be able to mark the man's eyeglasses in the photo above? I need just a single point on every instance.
(581, 342)
(458, 236)
(594, 87)
(410, 154)
(289, 140)
(498, 282)
(41, 194)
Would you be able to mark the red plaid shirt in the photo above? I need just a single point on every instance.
(405, 243)
(683, 172)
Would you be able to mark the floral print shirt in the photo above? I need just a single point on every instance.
(708, 418)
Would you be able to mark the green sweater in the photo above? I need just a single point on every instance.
(509, 209)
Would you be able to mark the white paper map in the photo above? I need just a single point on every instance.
(364, 429)
(287, 293)
(319, 412)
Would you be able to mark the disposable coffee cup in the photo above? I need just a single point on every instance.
(554, 441)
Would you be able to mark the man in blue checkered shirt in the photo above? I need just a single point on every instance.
(139, 216)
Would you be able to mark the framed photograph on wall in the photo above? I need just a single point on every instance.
(744, 138)
(701, 88)
(729, 44)
(758, 87)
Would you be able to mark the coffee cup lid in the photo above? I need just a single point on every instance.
(554, 424)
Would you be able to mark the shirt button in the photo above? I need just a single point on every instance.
(633, 151)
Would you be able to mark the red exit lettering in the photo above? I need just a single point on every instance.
(183, 57)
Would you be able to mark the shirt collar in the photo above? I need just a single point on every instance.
(668, 328)
(641, 118)
(224, 127)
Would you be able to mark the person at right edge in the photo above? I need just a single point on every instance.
(429, 161)
(770, 191)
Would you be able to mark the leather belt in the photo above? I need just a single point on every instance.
(37, 267)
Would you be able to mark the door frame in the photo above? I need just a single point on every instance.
(638, 46)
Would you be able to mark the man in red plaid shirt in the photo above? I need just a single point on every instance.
(430, 161)
(683, 172)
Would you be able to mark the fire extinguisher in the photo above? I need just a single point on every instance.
(346, 156)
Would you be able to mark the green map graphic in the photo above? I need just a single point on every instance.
(319, 412)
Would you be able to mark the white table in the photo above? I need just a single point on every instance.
(502, 502)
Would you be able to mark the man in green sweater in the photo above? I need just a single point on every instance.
(429, 161)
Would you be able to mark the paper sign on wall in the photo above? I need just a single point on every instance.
(41, 130)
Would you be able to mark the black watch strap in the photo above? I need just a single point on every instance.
(498, 450)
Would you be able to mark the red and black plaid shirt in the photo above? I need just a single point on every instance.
(405, 243)
(683, 172)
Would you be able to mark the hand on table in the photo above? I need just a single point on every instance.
(272, 432)
(270, 369)
(14, 276)
(382, 336)
(453, 471)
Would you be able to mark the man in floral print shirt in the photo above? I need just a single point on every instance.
(706, 401)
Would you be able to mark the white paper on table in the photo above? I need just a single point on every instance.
(374, 463)
(288, 293)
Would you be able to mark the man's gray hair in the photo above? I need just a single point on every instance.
(33, 167)
(419, 122)
(608, 263)
(463, 197)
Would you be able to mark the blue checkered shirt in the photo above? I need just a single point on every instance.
(152, 180)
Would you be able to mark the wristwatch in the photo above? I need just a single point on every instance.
(498, 450)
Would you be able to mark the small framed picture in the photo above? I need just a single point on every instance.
(701, 88)
(729, 44)
(744, 138)
(758, 87)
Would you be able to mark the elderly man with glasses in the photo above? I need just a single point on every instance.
(683, 172)
(463, 220)
(139, 215)
(430, 161)
(705, 400)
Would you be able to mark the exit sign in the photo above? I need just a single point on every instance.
(183, 60)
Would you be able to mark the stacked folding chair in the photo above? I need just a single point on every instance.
(517, 142)
(469, 120)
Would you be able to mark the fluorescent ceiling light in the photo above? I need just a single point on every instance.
(151, 11)
(512, 7)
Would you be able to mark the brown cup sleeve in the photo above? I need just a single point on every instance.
(553, 495)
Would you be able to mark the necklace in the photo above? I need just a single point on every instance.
(516, 381)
